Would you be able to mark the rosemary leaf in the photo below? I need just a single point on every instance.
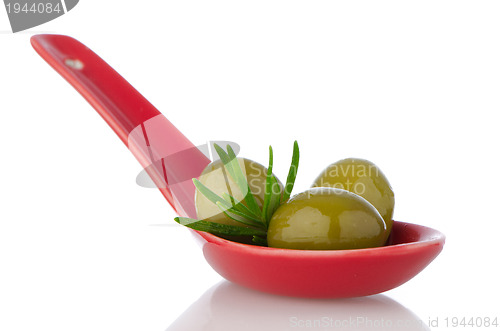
(209, 194)
(292, 174)
(229, 198)
(219, 229)
(269, 187)
(226, 160)
(275, 198)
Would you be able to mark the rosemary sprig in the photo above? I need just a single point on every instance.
(219, 229)
(247, 212)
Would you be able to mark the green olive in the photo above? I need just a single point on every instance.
(363, 178)
(217, 179)
(326, 218)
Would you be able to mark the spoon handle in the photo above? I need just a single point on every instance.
(166, 154)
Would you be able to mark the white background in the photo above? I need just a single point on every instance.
(410, 85)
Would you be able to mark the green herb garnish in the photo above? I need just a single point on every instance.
(219, 229)
(292, 174)
(272, 198)
(246, 212)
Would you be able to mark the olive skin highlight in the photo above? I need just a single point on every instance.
(326, 219)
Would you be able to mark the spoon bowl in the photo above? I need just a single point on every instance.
(171, 160)
(323, 273)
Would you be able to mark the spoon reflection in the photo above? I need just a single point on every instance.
(229, 307)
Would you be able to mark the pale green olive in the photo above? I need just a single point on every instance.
(326, 218)
(363, 178)
(217, 179)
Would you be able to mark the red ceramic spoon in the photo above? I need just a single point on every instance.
(171, 160)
